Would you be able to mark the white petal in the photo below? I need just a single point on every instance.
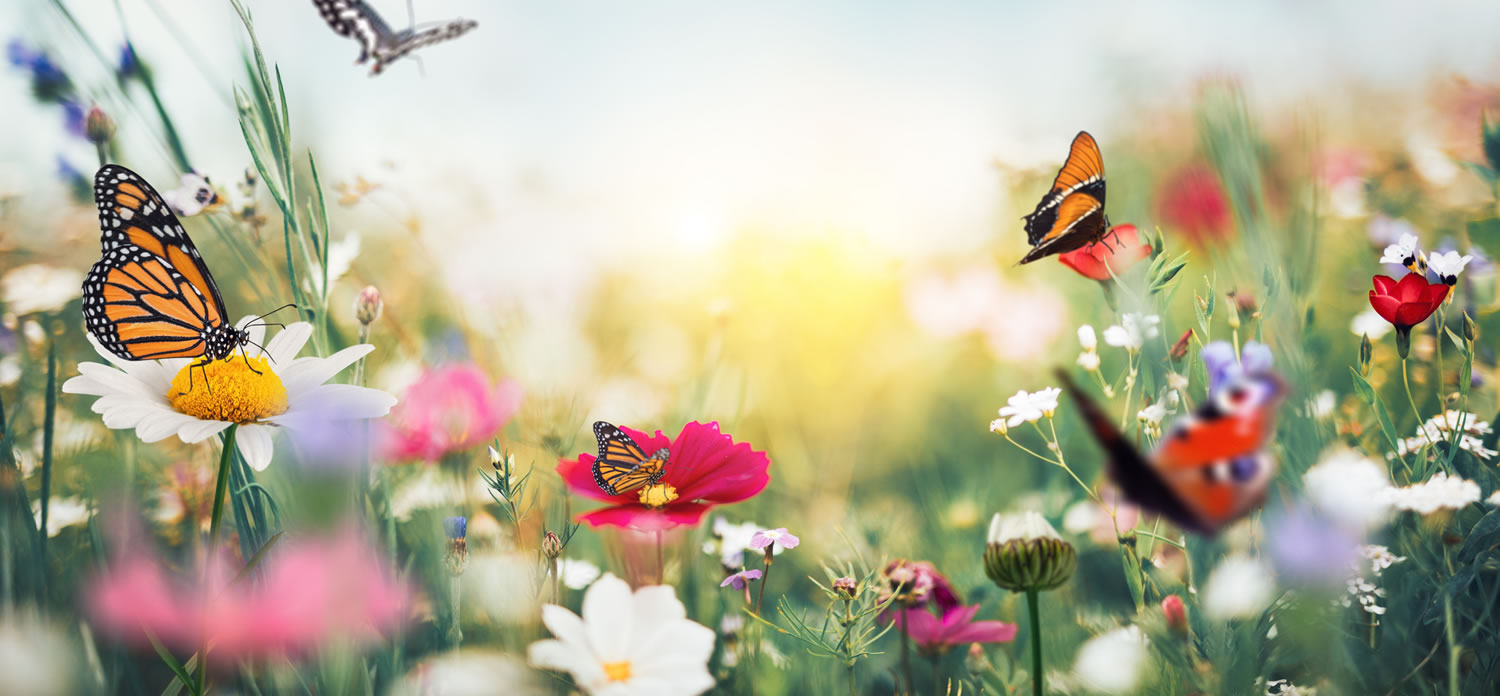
(284, 347)
(336, 402)
(200, 430)
(679, 643)
(566, 627)
(111, 380)
(607, 618)
(309, 372)
(257, 332)
(556, 655)
(657, 608)
(254, 442)
(160, 424)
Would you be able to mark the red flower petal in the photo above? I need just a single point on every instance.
(640, 517)
(1385, 306)
(1384, 285)
(1119, 250)
(1413, 313)
(1410, 288)
(578, 476)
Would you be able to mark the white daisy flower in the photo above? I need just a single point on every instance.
(1369, 323)
(576, 574)
(193, 196)
(1404, 252)
(1437, 493)
(39, 288)
(148, 396)
(1113, 663)
(1350, 488)
(1439, 428)
(1448, 265)
(627, 644)
(1133, 331)
(1240, 588)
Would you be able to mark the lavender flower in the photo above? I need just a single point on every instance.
(741, 580)
(778, 536)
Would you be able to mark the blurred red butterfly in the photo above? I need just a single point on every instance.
(1210, 468)
(1072, 213)
(622, 466)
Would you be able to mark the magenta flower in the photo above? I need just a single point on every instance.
(705, 468)
(915, 584)
(449, 409)
(779, 536)
(741, 580)
(934, 636)
(314, 592)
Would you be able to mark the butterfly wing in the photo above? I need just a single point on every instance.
(150, 295)
(358, 21)
(1136, 476)
(1072, 213)
(621, 465)
(406, 43)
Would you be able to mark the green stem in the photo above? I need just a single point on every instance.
(661, 563)
(1406, 382)
(1038, 681)
(906, 658)
(221, 489)
(853, 682)
(49, 427)
(1452, 640)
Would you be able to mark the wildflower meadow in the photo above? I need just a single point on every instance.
(640, 349)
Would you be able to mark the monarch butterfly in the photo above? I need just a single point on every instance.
(359, 21)
(622, 466)
(150, 296)
(1210, 468)
(1072, 213)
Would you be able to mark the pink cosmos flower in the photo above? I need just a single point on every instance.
(917, 584)
(449, 409)
(934, 636)
(705, 468)
(314, 591)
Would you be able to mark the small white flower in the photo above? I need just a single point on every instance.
(1448, 265)
(1026, 407)
(1437, 493)
(1088, 360)
(193, 196)
(1402, 251)
(1046, 400)
(1369, 323)
(1240, 588)
(1350, 488)
(1323, 404)
(576, 574)
(731, 541)
(1153, 414)
(1113, 663)
(1025, 526)
(1086, 338)
(39, 288)
(142, 395)
(1080, 517)
(998, 426)
(606, 650)
(1177, 382)
(10, 370)
(61, 514)
(1379, 557)
(1133, 331)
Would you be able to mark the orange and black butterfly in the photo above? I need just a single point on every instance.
(150, 296)
(1072, 213)
(622, 466)
(1211, 467)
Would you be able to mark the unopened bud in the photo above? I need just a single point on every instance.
(457, 558)
(368, 305)
(1180, 348)
(976, 662)
(551, 545)
(1366, 351)
(98, 126)
(495, 459)
(1175, 612)
(846, 587)
(1471, 330)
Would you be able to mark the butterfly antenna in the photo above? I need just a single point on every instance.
(263, 351)
(421, 67)
(267, 314)
(411, 16)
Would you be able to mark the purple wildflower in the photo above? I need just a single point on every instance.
(779, 536)
(741, 580)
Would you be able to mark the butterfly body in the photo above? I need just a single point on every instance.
(357, 20)
(621, 465)
(150, 295)
(1071, 215)
(1210, 468)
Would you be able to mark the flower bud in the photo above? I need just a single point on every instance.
(551, 545)
(368, 305)
(846, 587)
(495, 458)
(976, 663)
(456, 560)
(1087, 339)
(98, 126)
(1025, 553)
(1175, 612)
(1366, 351)
(1403, 341)
(1180, 348)
(1471, 330)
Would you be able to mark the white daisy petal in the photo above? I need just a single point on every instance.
(284, 348)
(300, 374)
(200, 430)
(336, 402)
(254, 442)
(608, 612)
(161, 424)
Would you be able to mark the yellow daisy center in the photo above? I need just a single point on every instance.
(617, 671)
(237, 390)
(658, 495)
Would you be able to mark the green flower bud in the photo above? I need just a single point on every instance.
(1025, 553)
(1471, 330)
(1366, 351)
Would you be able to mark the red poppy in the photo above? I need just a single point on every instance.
(1117, 251)
(1193, 202)
(1406, 303)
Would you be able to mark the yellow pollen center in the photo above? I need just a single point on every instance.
(228, 390)
(617, 671)
(658, 495)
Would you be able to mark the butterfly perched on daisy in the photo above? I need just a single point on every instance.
(1071, 215)
(357, 20)
(151, 296)
(622, 466)
(1211, 466)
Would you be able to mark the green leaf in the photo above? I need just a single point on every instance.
(1132, 566)
(169, 661)
(1485, 534)
(256, 559)
(1367, 393)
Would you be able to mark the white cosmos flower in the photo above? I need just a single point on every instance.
(1240, 588)
(576, 574)
(1133, 331)
(1350, 488)
(627, 644)
(1404, 248)
(147, 395)
(1112, 663)
(1437, 493)
(39, 288)
(1448, 265)
(61, 514)
(1369, 323)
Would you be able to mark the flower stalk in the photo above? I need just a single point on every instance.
(1033, 610)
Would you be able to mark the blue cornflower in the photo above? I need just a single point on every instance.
(75, 118)
(456, 527)
(130, 66)
(1223, 368)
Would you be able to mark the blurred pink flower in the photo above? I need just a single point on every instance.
(935, 635)
(917, 584)
(1193, 202)
(705, 468)
(449, 409)
(314, 591)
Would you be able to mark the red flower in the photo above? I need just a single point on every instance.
(1407, 303)
(1193, 201)
(1175, 612)
(934, 636)
(1117, 251)
(705, 468)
